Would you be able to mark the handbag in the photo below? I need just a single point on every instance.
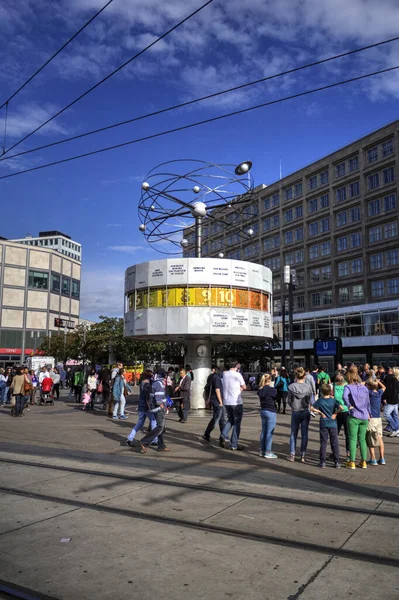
(100, 387)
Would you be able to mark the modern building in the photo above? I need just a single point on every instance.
(54, 240)
(335, 222)
(37, 286)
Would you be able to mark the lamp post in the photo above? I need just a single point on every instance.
(290, 281)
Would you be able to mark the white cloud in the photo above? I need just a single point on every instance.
(29, 116)
(114, 225)
(127, 249)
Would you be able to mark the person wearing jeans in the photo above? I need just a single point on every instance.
(143, 408)
(157, 405)
(233, 385)
(267, 394)
(390, 400)
(327, 407)
(300, 396)
(356, 398)
(118, 391)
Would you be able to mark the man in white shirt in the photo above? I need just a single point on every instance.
(43, 374)
(233, 385)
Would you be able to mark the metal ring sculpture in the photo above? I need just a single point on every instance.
(177, 191)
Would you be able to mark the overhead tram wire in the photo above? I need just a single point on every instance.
(204, 122)
(56, 54)
(201, 99)
(88, 91)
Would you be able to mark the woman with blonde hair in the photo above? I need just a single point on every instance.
(267, 395)
(356, 398)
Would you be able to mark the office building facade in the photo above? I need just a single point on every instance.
(336, 223)
(54, 240)
(37, 286)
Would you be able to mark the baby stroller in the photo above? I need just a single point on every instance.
(45, 392)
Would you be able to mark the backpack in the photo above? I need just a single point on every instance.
(280, 384)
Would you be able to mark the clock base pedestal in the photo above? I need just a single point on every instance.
(201, 366)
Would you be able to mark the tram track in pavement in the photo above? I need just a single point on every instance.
(172, 483)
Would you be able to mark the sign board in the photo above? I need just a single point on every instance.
(64, 323)
(328, 347)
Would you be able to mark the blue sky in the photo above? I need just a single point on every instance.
(228, 43)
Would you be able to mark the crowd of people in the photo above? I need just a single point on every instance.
(353, 403)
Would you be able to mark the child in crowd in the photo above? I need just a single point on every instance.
(342, 416)
(374, 431)
(326, 406)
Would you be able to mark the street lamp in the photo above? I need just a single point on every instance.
(290, 281)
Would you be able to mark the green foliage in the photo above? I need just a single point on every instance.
(100, 343)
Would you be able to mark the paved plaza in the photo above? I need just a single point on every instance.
(84, 516)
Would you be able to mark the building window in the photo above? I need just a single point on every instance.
(298, 189)
(300, 302)
(272, 263)
(387, 148)
(314, 252)
(38, 280)
(374, 207)
(353, 164)
(388, 175)
(389, 202)
(288, 237)
(312, 182)
(289, 258)
(55, 283)
(343, 269)
(326, 273)
(298, 211)
(357, 265)
(324, 202)
(316, 300)
(66, 286)
(326, 297)
(392, 258)
(393, 286)
(375, 234)
(276, 284)
(325, 225)
(312, 205)
(340, 194)
(372, 154)
(391, 230)
(357, 292)
(354, 189)
(75, 288)
(340, 170)
(314, 275)
(376, 261)
(299, 256)
(373, 181)
(298, 234)
(342, 243)
(323, 177)
(275, 221)
(377, 289)
(314, 228)
(288, 193)
(344, 294)
(355, 240)
(326, 248)
(341, 218)
(288, 216)
(354, 214)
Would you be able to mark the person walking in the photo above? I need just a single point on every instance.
(390, 401)
(63, 377)
(326, 406)
(374, 430)
(356, 398)
(183, 390)
(158, 409)
(267, 395)
(342, 416)
(9, 377)
(216, 401)
(299, 399)
(55, 392)
(18, 392)
(35, 383)
(3, 387)
(105, 386)
(92, 382)
(119, 392)
(78, 382)
(281, 384)
(143, 408)
(233, 386)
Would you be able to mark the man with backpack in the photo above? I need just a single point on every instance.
(322, 377)
(158, 406)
